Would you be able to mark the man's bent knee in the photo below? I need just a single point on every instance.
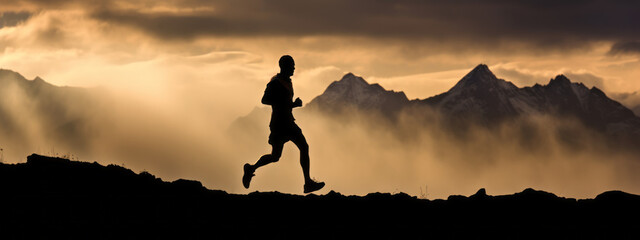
(274, 158)
(275, 155)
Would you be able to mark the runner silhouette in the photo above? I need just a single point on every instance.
(279, 94)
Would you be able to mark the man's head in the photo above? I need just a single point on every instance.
(287, 65)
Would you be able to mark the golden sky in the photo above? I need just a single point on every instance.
(213, 58)
(420, 47)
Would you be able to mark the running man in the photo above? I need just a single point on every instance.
(279, 94)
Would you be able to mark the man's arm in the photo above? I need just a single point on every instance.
(273, 97)
(297, 103)
(268, 97)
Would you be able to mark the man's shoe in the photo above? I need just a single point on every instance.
(248, 174)
(313, 186)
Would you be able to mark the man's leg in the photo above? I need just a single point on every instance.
(276, 152)
(301, 142)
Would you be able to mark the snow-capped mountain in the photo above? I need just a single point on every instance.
(354, 91)
(483, 98)
(479, 94)
(562, 97)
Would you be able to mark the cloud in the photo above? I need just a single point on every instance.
(381, 39)
(494, 23)
(358, 153)
(10, 19)
(619, 48)
(194, 66)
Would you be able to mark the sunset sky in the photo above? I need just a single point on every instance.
(215, 57)
(420, 47)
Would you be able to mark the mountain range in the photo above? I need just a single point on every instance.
(69, 115)
(484, 99)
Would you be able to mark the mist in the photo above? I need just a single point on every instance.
(175, 135)
(169, 106)
(166, 135)
(419, 154)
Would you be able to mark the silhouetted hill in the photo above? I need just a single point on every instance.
(56, 198)
(36, 111)
(53, 175)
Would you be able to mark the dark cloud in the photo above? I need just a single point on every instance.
(48, 4)
(10, 19)
(631, 47)
(540, 23)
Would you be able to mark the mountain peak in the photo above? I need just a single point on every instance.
(481, 78)
(39, 83)
(480, 73)
(348, 75)
(350, 78)
(481, 68)
(354, 90)
(560, 80)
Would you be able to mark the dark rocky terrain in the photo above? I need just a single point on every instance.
(47, 198)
